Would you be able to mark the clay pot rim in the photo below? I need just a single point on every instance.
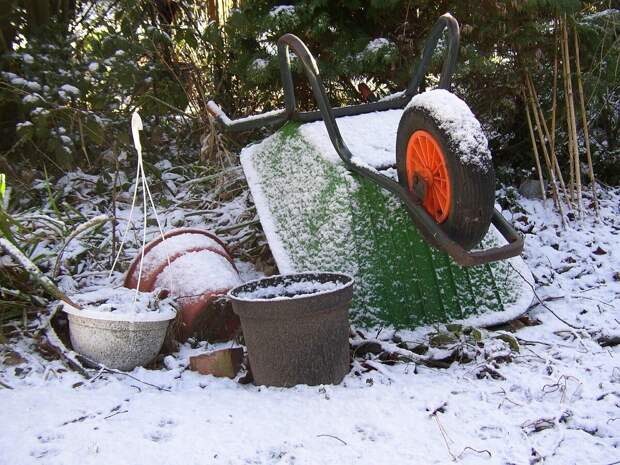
(145, 317)
(342, 286)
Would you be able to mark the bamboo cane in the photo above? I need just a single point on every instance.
(569, 132)
(550, 169)
(535, 149)
(538, 117)
(554, 103)
(571, 115)
(584, 120)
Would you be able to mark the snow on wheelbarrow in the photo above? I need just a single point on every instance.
(398, 193)
(194, 266)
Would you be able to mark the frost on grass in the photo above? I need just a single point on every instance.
(459, 123)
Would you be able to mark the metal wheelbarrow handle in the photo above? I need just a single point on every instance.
(426, 225)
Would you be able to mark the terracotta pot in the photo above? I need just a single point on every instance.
(186, 262)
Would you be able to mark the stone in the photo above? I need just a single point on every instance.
(221, 363)
(530, 189)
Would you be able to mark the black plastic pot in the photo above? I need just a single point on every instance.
(295, 336)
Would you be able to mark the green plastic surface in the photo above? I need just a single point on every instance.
(326, 218)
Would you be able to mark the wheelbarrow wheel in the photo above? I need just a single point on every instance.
(431, 162)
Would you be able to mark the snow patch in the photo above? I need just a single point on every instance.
(371, 138)
(260, 64)
(122, 303)
(195, 273)
(68, 88)
(282, 10)
(289, 290)
(378, 44)
(176, 245)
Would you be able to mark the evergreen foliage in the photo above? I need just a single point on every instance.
(168, 57)
(378, 42)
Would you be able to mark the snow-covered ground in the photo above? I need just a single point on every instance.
(556, 402)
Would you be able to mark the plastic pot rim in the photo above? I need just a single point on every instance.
(350, 280)
(145, 317)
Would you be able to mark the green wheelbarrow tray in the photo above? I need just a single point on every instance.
(317, 215)
(322, 208)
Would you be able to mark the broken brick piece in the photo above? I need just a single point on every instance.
(221, 363)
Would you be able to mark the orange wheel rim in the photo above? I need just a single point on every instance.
(426, 163)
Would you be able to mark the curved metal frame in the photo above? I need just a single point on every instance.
(425, 223)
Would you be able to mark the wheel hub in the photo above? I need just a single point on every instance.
(427, 174)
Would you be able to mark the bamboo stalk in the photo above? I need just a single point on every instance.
(569, 132)
(541, 138)
(554, 104)
(550, 168)
(535, 149)
(584, 121)
(571, 115)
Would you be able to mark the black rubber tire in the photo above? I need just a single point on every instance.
(472, 187)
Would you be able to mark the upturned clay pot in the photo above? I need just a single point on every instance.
(203, 311)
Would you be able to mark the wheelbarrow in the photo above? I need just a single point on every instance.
(372, 216)
(449, 198)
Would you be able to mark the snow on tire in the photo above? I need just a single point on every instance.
(442, 155)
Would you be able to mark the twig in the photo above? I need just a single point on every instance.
(77, 420)
(571, 115)
(540, 301)
(115, 413)
(330, 436)
(483, 451)
(114, 193)
(554, 115)
(538, 117)
(118, 372)
(4, 385)
(593, 299)
(82, 143)
(103, 369)
(236, 226)
(503, 391)
(97, 220)
(166, 104)
(56, 344)
(528, 341)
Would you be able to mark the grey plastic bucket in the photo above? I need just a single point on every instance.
(295, 336)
